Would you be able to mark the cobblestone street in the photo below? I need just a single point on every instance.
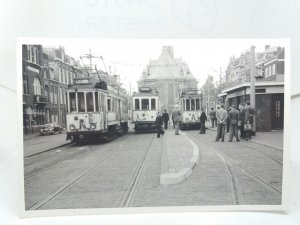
(119, 174)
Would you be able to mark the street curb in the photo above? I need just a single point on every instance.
(183, 174)
(257, 142)
(37, 153)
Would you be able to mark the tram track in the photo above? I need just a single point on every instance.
(231, 166)
(262, 152)
(128, 196)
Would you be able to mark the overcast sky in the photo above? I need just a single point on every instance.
(203, 56)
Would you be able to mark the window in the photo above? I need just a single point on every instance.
(270, 71)
(108, 104)
(25, 85)
(273, 68)
(188, 105)
(267, 71)
(55, 95)
(51, 74)
(197, 104)
(37, 86)
(96, 102)
(46, 91)
(61, 95)
(72, 102)
(81, 102)
(45, 74)
(145, 103)
(89, 102)
(32, 53)
(153, 104)
(137, 104)
(193, 104)
(59, 74)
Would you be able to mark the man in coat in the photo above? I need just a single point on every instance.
(242, 120)
(203, 119)
(233, 118)
(213, 118)
(177, 119)
(165, 117)
(159, 122)
(249, 114)
(221, 115)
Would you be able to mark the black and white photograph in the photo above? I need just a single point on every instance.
(153, 124)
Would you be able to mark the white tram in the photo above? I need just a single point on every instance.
(95, 110)
(146, 105)
(190, 103)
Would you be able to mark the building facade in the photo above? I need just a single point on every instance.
(269, 90)
(34, 100)
(169, 76)
(47, 72)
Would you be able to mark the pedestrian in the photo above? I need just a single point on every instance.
(177, 119)
(203, 118)
(165, 118)
(159, 122)
(213, 118)
(227, 121)
(242, 120)
(221, 116)
(233, 117)
(173, 120)
(249, 118)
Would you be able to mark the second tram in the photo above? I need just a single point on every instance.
(146, 105)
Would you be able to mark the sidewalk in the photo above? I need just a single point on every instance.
(34, 144)
(179, 156)
(273, 139)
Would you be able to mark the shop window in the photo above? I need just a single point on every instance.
(197, 104)
(193, 104)
(108, 104)
(188, 105)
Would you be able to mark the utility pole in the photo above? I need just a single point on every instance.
(252, 82)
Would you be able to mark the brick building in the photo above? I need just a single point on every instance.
(168, 75)
(269, 90)
(47, 72)
(34, 100)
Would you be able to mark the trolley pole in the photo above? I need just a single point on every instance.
(252, 82)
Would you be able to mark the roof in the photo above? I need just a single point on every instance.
(166, 66)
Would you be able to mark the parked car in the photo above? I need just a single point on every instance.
(51, 128)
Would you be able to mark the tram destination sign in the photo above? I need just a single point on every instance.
(82, 81)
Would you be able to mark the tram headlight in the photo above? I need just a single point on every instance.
(72, 127)
(93, 126)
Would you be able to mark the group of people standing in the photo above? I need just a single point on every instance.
(164, 120)
(232, 119)
(235, 119)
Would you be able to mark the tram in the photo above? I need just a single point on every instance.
(95, 110)
(190, 104)
(146, 105)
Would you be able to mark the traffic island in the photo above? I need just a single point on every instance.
(179, 156)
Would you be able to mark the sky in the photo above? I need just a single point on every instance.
(128, 57)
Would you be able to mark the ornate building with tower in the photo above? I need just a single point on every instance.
(169, 76)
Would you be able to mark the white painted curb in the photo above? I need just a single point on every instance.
(183, 174)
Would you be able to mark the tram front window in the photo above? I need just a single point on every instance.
(197, 104)
(137, 104)
(193, 104)
(153, 104)
(89, 102)
(72, 102)
(81, 105)
(188, 105)
(145, 103)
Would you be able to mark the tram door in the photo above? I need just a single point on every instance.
(277, 106)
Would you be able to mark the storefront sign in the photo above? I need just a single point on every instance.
(33, 69)
(82, 81)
